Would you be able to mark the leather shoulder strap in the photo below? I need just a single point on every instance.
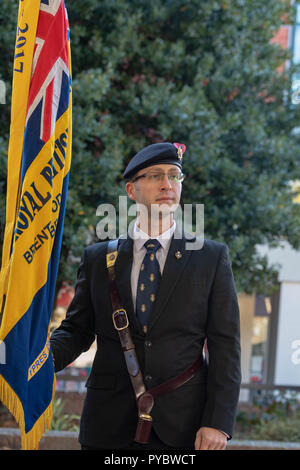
(121, 323)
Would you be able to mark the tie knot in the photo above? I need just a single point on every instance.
(152, 245)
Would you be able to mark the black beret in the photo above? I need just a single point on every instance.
(155, 154)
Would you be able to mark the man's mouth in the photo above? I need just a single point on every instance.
(164, 199)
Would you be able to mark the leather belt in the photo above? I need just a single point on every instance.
(145, 398)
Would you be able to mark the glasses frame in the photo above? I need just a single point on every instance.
(147, 175)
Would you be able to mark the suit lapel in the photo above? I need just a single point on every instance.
(175, 263)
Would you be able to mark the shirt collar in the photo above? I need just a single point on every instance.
(140, 237)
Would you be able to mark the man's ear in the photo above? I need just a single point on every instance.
(130, 189)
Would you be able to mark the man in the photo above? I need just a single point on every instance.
(187, 299)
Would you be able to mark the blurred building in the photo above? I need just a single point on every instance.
(270, 326)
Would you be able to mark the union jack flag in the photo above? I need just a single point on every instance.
(50, 77)
(50, 65)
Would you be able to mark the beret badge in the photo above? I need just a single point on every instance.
(180, 150)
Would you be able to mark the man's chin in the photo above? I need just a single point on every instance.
(164, 207)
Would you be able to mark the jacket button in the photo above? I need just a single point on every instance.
(148, 378)
(148, 344)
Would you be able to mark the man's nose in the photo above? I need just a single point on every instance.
(166, 184)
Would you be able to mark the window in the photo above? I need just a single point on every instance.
(296, 57)
(296, 38)
(260, 338)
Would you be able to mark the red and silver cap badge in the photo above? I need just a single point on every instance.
(180, 150)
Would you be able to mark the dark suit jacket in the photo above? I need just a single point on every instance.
(196, 301)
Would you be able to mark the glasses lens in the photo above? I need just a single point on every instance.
(176, 177)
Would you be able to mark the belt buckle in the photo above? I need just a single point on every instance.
(120, 319)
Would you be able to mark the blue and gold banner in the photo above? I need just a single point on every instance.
(39, 158)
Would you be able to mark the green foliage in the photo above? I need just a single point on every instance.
(200, 72)
(280, 429)
(62, 421)
(273, 417)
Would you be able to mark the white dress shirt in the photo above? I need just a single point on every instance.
(139, 251)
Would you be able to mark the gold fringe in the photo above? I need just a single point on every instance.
(30, 440)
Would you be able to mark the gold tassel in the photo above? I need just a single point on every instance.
(30, 440)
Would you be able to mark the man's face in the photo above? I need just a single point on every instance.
(157, 192)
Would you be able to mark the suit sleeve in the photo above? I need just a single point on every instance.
(223, 344)
(76, 332)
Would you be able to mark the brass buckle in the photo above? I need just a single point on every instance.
(145, 417)
(111, 258)
(121, 311)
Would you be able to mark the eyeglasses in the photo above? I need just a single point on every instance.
(158, 177)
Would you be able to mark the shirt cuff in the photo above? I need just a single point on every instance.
(225, 433)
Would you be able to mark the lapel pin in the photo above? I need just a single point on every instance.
(178, 255)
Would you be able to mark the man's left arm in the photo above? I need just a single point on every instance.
(224, 371)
